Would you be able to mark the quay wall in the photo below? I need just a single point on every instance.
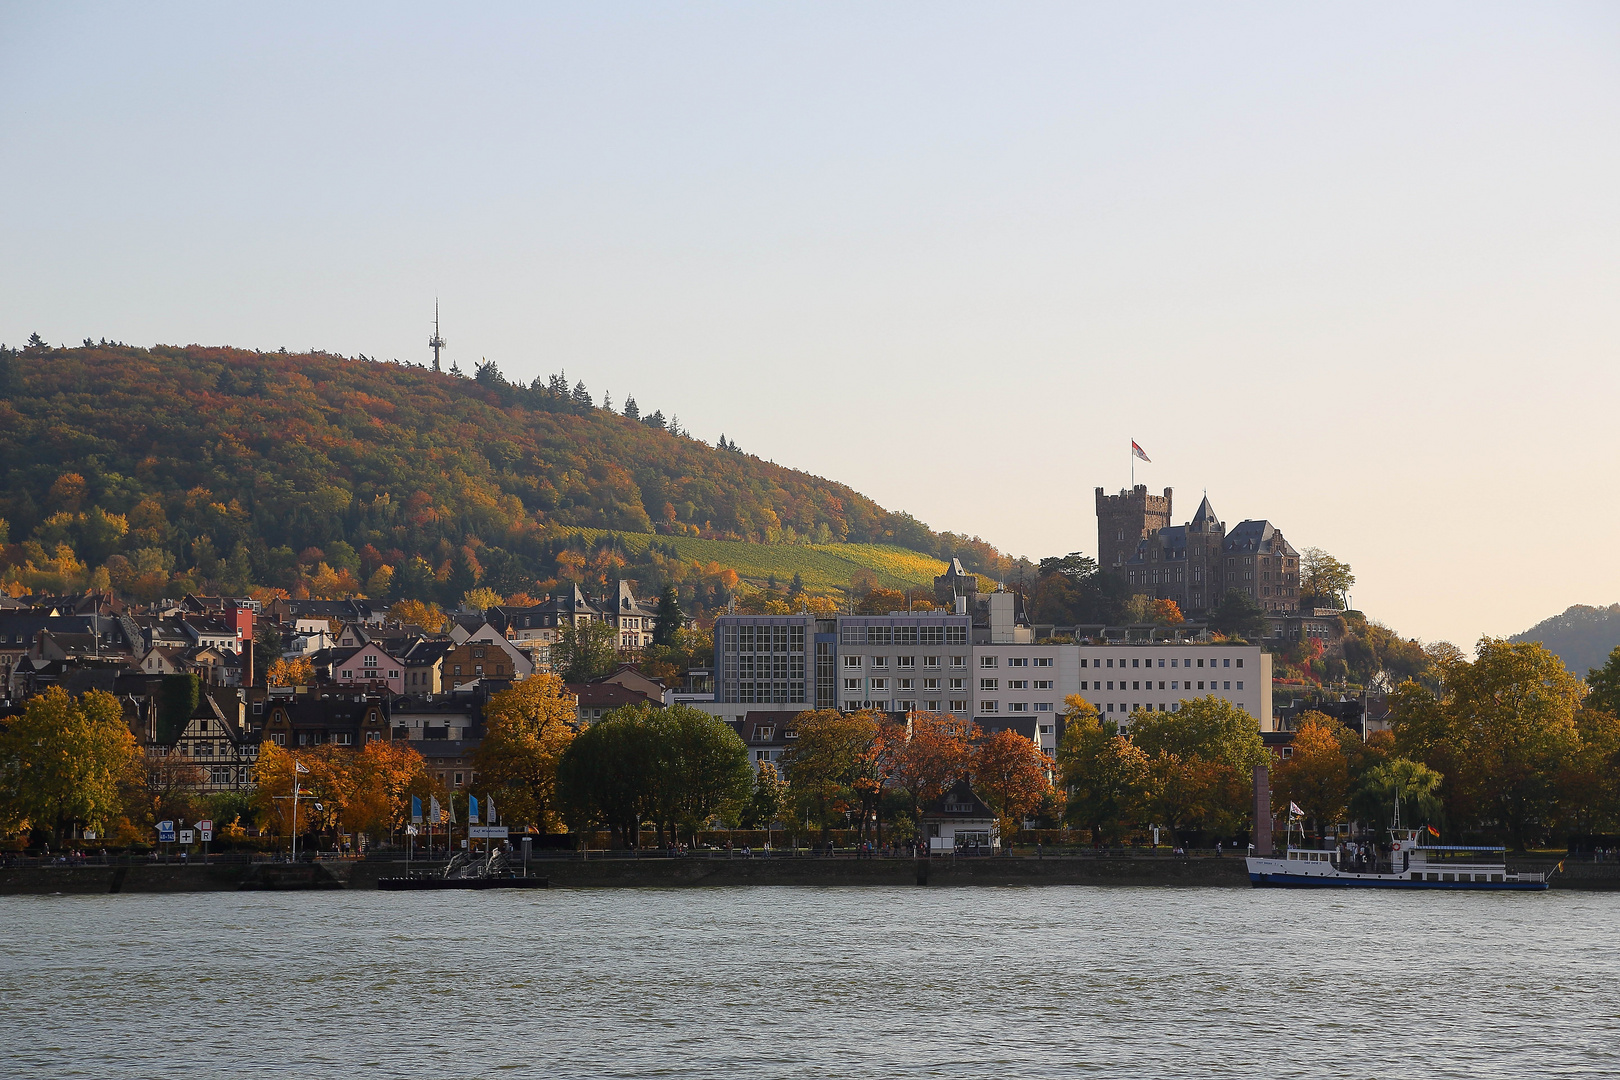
(656, 871)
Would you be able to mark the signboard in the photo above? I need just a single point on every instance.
(206, 825)
(89, 834)
(487, 832)
(185, 836)
(206, 834)
(165, 832)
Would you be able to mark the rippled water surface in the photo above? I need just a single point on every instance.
(1019, 982)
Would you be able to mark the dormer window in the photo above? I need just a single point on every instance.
(763, 734)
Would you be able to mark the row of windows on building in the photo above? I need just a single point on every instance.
(1185, 685)
(903, 635)
(902, 662)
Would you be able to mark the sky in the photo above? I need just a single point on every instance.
(1352, 269)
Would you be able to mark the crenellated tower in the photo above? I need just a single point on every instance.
(1126, 519)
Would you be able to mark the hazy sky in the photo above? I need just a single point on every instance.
(1356, 271)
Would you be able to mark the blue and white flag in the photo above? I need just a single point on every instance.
(472, 809)
(416, 809)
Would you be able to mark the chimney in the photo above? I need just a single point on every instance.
(1261, 833)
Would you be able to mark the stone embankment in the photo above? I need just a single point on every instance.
(710, 871)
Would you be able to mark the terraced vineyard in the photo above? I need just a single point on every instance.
(823, 567)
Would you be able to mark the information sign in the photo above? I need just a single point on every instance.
(89, 834)
(165, 832)
(185, 836)
(206, 834)
(487, 832)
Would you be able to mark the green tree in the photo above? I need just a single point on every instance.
(825, 761)
(1104, 773)
(1603, 685)
(1500, 733)
(585, 651)
(1412, 785)
(1201, 761)
(1324, 578)
(178, 697)
(669, 620)
(772, 800)
(1238, 616)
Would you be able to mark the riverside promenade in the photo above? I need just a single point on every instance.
(703, 870)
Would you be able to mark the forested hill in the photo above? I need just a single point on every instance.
(232, 467)
(1582, 636)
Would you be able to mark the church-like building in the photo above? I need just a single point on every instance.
(1197, 563)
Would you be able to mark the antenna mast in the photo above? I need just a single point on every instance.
(435, 342)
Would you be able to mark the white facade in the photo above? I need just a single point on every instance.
(1025, 685)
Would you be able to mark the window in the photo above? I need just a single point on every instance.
(1018, 661)
(988, 661)
(989, 706)
(1043, 684)
(1240, 684)
(1043, 706)
(905, 685)
(880, 661)
(879, 684)
(930, 684)
(852, 661)
(1240, 663)
(958, 661)
(958, 705)
(1200, 663)
(344, 738)
(958, 684)
(852, 684)
(279, 739)
(1134, 685)
(930, 661)
(347, 674)
(1018, 684)
(458, 775)
(1227, 686)
(1043, 661)
(1226, 663)
(1136, 663)
(1017, 706)
(988, 684)
(956, 635)
(1161, 662)
(1174, 685)
(1200, 684)
(906, 661)
(369, 661)
(931, 635)
(852, 706)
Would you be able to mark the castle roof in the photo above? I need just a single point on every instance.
(1257, 537)
(1205, 515)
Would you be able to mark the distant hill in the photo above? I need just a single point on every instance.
(1582, 636)
(181, 468)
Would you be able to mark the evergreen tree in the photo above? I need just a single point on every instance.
(796, 589)
(669, 619)
(582, 396)
(631, 409)
(655, 420)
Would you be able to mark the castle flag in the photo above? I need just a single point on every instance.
(1136, 451)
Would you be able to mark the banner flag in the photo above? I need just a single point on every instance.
(452, 808)
(1293, 808)
(490, 817)
(299, 766)
(1136, 451)
(472, 809)
(437, 816)
(416, 809)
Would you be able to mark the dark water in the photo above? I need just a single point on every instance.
(1018, 982)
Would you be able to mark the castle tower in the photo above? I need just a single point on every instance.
(1125, 519)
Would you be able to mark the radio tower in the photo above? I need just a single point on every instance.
(435, 342)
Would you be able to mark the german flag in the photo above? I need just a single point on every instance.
(1434, 832)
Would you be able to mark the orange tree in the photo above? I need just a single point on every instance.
(1317, 775)
(932, 759)
(526, 730)
(1009, 774)
(385, 776)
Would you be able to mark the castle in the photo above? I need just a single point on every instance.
(1198, 563)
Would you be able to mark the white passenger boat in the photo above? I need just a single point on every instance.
(1407, 864)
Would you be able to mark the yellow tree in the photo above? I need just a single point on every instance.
(1009, 774)
(326, 786)
(295, 672)
(67, 760)
(417, 613)
(526, 729)
(387, 774)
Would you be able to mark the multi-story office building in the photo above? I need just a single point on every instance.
(772, 663)
(1023, 687)
(905, 662)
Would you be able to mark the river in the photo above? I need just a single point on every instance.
(791, 982)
